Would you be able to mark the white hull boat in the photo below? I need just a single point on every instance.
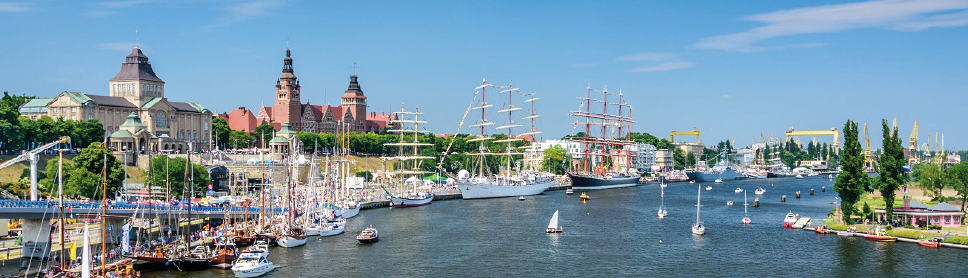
(471, 191)
(349, 212)
(698, 229)
(553, 226)
(412, 201)
(759, 191)
(290, 241)
(252, 265)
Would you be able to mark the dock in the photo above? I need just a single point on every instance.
(802, 222)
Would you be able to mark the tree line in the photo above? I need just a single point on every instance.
(20, 133)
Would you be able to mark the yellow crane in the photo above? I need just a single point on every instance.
(833, 131)
(695, 131)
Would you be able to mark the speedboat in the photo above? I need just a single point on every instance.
(521, 198)
(261, 248)
(368, 235)
(799, 176)
(789, 220)
(729, 203)
(708, 187)
(718, 181)
(569, 191)
(879, 235)
(759, 191)
(692, 181)
(252, 265)
(738, 190)
(933, 243)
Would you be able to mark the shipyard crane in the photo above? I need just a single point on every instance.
(694, 131)
(33, 156)
(913, 154)
(833, 131)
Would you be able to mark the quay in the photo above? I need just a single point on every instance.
(442, 196)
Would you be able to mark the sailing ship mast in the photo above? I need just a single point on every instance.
(533, 160)
(104, 211)
(608, 142)
(509, 151)
(482, 148)
(410, 161)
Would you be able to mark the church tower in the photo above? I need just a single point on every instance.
(355, 102)
(287, 107)
(136, 81)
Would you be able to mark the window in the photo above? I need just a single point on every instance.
(73, 109)
(90, 116)
(947, 219)
(63, 109)
(937, 219)
(90, 110)
(161, 120)
(73, 117)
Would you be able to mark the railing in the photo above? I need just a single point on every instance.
(128, 206)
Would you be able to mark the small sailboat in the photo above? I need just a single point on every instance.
(698, 229)
(252, 265)
(759, 191)
(746, 216)
(368, 235)
(662, 210)
(553, 226)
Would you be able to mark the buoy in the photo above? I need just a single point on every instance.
(783, 199)
(660, 241)
(811, 191)
(771, 184)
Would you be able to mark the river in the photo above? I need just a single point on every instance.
(615, 234)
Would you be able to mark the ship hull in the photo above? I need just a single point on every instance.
(402, 202)
(471, 191)
(705, 177)
(579, 182)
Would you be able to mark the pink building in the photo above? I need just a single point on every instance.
(919, 215)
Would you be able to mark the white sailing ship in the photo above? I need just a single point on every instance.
(409, 161)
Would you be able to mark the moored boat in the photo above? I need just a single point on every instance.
(789, 220)
(252, 265)
(933, 243)
(569, 191)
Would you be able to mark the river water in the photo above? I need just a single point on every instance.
(615, 234)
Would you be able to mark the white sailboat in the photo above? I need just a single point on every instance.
(409, 162)
(698, 229)
(553, 226)
(662, 210)
(746, 216)
(292, 234)
(86, 255)
(484, 184)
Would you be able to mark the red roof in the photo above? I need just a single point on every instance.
(241, 119)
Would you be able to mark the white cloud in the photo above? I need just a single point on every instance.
(243, 12)
(662, 67)
(906, 15)
(727, 96)
(648, 56)
(11, 7)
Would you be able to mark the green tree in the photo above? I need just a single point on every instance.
(555, 159)
(87, 132)
(932, 180)
(220, 132)
(92, 160)
(11, 133)
(239, 139)
(852, 180)
(164, 170)
(309, 140)
(264, 132)
(49, 183)
(891, 171)
(958, 179)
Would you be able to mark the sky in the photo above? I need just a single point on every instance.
(731, 69)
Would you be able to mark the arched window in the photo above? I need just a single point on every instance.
(161, 120)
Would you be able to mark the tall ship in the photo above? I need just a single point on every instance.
(482, 182)
(722, 171)
(409, 161)
(605, 159)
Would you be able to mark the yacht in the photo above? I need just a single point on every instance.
(368, 235)
(759, 191)
(252, 265)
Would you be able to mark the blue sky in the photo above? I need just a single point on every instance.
(730, 68)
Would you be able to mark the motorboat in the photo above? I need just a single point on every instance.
(789, 220)
(521, 198)
(709, 187)
(261, 248)
(368, 235)
(252, 265)
(933, 243)
(759, 191)
(879, 235)
(224, 255)
(822, 230)
(198, 259)
(738, 190)
(845, 233)
(553, 226)
(729, 203)
(799, 176)
(718, 181)
(569, 191)
(692, 181)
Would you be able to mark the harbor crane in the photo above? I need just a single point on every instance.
(870, 163)
(833, 131)
(33, 156)
(694, 131)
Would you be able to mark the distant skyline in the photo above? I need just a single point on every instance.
(731, 69)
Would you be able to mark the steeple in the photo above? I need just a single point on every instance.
(287, 62)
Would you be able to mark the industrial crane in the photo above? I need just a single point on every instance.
(832, 131)
(32, 155)
(694, 131)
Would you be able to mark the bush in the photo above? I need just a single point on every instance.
(934, 227)
(909, 227)
(888, 228)
(957, 240)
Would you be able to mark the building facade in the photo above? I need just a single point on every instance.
(351, 115)
(136, 96)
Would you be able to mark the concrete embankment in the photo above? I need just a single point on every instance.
(442, 196)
